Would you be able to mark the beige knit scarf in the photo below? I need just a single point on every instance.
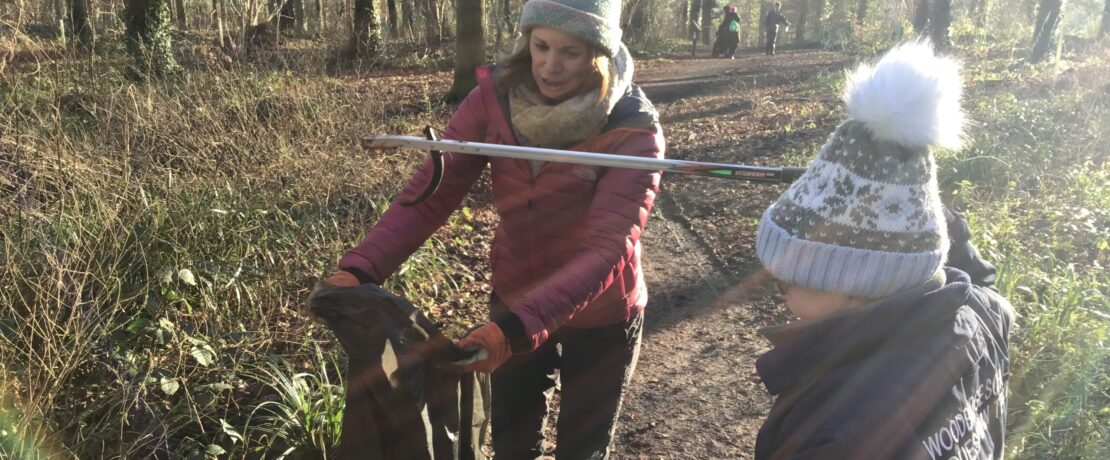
(574, 120)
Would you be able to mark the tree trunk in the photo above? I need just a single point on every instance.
(1044, 31)
(470, 48)
(365, 36)
(637, 22)
(981, 13)
(941, 19)
(291, 17)
(764, 8)
(391, 16)
(507, 17)
(148, 36)
(803, 16)
(921, 17)
(80, 24)
(409, 17)
(695, 18)
(1105, 29)
(433, 35)
(861, 11)
(818, 19)
(707, 20)
(181, 19)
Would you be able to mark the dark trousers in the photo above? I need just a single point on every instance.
(594, 365)
(771, 36)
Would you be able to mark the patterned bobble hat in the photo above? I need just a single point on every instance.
(865, 219)
(595, 21)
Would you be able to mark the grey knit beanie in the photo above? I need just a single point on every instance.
(866, 218)
(596, 21)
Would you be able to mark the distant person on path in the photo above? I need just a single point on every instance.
(772, 22)
(728, 34)
(568, 284)
(893, 355)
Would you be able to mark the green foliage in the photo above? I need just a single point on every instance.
(1035, 181)
(157, 241)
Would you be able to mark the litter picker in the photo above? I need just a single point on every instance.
(436, 147)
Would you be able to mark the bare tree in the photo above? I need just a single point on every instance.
(695, 17)
(803, 17)
(707, 20)
(921, 17)
(941, 19)
(365, 35)
(470, 48)
(1045, 27)
(148, 36)
(433, 34)
(1105, 29)
(392, 17)
(80, 23)
(636, 21)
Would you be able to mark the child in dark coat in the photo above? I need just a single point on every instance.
(894, 355)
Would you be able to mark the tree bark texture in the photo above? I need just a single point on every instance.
(148, 36)
(80, 25)
(470, 48)
(707, 20)
(433, 35)
(818, 19)
(392, 17)
(366, 36)
(1044, 30)
(1104, 31)
(921, 17)
(181, 18)
(803, 17)
(695, 18)
(941, 19)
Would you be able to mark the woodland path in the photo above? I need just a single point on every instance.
(695, 393)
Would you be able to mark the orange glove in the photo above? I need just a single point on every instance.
(341, 278)
(490, 338)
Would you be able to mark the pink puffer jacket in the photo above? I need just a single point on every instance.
(567, 248)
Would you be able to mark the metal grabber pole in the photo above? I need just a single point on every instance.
(720, 170)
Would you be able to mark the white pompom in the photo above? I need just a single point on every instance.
(910, 97)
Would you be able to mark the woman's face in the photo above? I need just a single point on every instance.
(562, 64)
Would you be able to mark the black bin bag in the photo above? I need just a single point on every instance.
(405, 397)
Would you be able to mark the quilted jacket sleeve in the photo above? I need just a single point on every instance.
(401, 230)
(616, 218)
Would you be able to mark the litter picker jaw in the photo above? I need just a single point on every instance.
(435, 146)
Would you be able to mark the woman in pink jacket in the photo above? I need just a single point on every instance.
(566, 253)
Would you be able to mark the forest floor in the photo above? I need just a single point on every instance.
(695, 392)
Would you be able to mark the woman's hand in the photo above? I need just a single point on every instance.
(490, 338)
(341, 278)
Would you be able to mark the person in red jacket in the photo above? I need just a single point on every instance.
(566, 252)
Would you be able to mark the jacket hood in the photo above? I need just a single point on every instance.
(807, 348)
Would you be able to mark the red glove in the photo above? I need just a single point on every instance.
(490, 338)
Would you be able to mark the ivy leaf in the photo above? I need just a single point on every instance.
(214, 450)
(186, 276)
(230, 431)
(204, 354)
(169, 386)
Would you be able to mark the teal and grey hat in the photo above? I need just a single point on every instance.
(596, 21)
(866, 218)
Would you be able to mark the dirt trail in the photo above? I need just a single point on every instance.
(695, 393)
